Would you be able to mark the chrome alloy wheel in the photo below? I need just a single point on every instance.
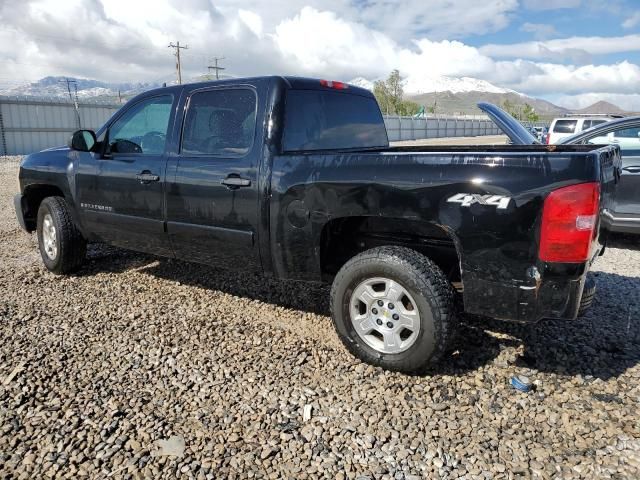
(49, 240)
(384, 315)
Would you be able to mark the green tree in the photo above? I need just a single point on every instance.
(389, 95)
(381, 92)
(529, 113)
(407, 107)
(522, 113)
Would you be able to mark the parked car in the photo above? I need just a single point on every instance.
(294, 178)
(540, 133)
(623, 215)
(571, 124)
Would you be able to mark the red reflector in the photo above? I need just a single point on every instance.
(332, 84)
(546, 140)
(569, 219)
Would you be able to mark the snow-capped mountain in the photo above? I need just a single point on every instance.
(57, 87)
(414, 85)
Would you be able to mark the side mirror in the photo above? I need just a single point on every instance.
(82, 140)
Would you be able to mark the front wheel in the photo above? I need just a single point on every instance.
(62, 246)
(393, 307)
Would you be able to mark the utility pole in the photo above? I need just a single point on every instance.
(216, 67)
(177, 54)
(69, 81)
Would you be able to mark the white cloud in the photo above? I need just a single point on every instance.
(252, 20)
(550, 78)
(127, 41)
(632, 21)
(546, 5)
(539, 30)
(565, 47)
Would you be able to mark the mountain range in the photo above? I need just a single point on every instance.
(57, 87)
(448, 95)
(459, 95)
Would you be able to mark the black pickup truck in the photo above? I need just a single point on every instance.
(295, 178)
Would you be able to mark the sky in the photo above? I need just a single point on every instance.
(572, 52)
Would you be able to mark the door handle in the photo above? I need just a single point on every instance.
(632, 169)
(234, 181)
(146, 176)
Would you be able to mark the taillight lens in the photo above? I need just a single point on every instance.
(569, 219)
(333, 84)
(548, 137)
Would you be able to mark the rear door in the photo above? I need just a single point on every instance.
(212, 196)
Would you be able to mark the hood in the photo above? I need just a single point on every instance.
(511, 127)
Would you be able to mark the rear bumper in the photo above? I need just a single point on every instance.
(18, 205)
(622, 223)
(556, 294)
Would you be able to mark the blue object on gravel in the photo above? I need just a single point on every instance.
(522, 383)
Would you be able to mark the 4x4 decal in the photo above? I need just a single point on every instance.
(467, 199)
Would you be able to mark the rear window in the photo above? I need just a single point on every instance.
(565, 126)
(321, 120)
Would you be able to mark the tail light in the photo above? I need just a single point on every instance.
(547, 138)
(332, 84)
(569, 220)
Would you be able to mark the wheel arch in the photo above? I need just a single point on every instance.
(33, 195)
(344, 237)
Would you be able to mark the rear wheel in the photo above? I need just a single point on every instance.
(62, 246)
(588, 295)
(393, 307)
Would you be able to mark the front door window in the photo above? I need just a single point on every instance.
(143, 128)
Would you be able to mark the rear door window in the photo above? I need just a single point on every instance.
(220, 122)
(325, 120)
(628, 133)
(597, 122)
(565, 126)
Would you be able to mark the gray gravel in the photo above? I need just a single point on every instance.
(141, 367)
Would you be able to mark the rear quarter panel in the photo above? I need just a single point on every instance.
(495, 245)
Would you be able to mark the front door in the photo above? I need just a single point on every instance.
(121, 189)
(628, 192)
(212, 199)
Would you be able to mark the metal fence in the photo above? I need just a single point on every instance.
(410, 128)
(29, 124)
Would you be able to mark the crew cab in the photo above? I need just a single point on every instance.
(295, 178)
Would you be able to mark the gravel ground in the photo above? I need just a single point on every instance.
(141, 367)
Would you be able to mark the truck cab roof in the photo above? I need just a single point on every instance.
(290, 82)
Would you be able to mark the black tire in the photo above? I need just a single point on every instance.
(71, 246)
(588, 294)
(428, 286)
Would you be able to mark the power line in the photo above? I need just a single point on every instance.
(69, 81)
(216, 67)
(177, 54)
